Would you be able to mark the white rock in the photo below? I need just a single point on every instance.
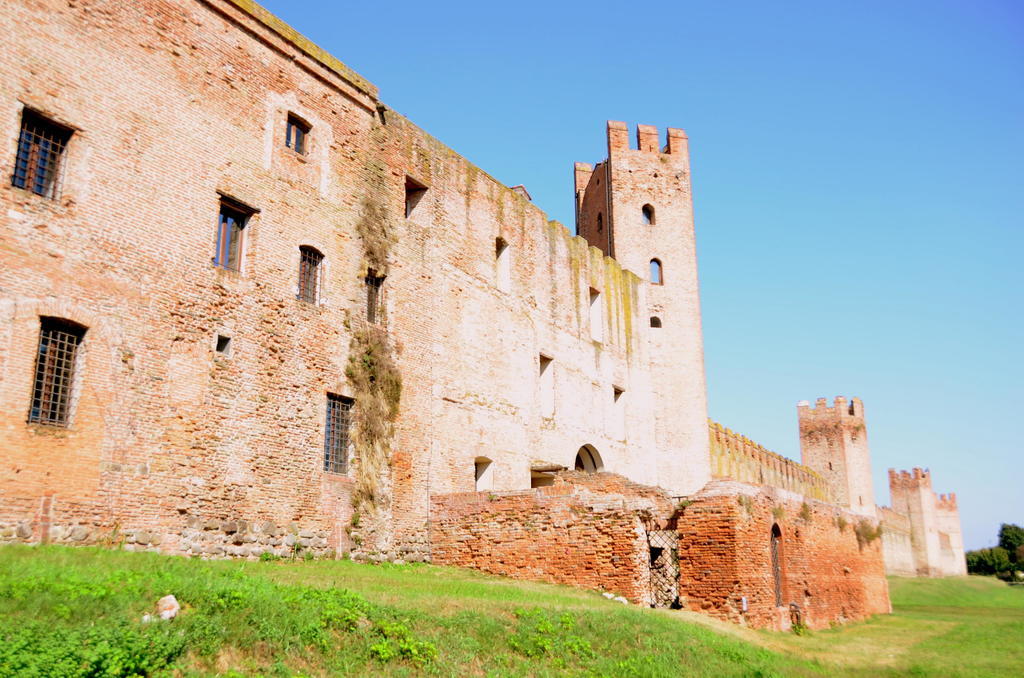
(607, 595)
(620, 599)
(147, 618)
(168, 607)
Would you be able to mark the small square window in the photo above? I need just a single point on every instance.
(297, 134)
(223, 345)
(38, 166)
(231, 225)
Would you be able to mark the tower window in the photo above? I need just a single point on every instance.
(374, 296)
(600, 223)
(648, 215)
(39, 163)
(596, 316)
(57, 359)
(588, 460)
(504, 264)
(547, 386)
(655, 321)
(231, 225)
(296, 134)
(310, 263)
(339, 420)
(484, 471)
(656, 276)
(223, 346)
(414, 192)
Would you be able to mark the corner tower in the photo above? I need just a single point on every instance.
(834, 442)
(637, 206)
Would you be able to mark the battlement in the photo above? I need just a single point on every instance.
(646, 139)
(916, 478)
(946, 502)
(735, 456)
(841, 408)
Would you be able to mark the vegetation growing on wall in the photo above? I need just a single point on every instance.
(374, 231)
(377, 386)
(866, 532)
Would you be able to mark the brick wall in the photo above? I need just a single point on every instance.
(587, 531)
(725, 556)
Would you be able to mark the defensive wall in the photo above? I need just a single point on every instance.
(200, 399)
(737, 457)
(933, 523)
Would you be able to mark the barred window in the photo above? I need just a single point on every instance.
(296, 133)
(374, 296)
(39, 163)
(56, 362)
(230, 229)
(339, 419)
(310, 263)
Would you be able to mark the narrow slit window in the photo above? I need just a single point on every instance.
(547, 387)
(656, 273)
(57, 359)
(296, 136)
(39, 164)
(336, 434)
(374, 296)
(503, 264)
(414, 192)
(224, 345)
(310, 264)
(596, 316)
(231, 225)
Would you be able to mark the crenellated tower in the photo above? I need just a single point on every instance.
(935, 536)
(834, 442)
(637, 206)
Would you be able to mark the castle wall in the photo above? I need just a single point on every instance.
(725, 557)
(586, 530)
(178, 102)
(897, 545)
(912, 495)
(737, 457)
(951, 542)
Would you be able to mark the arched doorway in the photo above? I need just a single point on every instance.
(776, 546)
(588, 460)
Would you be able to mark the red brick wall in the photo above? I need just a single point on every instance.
(587, 532)
(724, 555)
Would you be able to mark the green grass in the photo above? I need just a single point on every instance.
(76, 612)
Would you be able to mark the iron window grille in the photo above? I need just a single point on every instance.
(310, 263)
(296, 134)
(374, 296)
(230, 230)
(56, 362)
(339, 420)
(39, 163)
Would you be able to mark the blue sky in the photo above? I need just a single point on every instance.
(857, 178)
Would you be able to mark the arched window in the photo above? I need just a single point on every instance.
(648, 214)
(310, 262)
(588, 460)
(776, 546)
(484, 471)
(656, 275)
(655, 321)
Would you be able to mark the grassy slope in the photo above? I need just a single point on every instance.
(70, 608)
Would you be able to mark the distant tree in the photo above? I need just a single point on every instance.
(1011, 538)
(995, 560)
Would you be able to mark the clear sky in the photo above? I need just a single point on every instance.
(858, 182)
